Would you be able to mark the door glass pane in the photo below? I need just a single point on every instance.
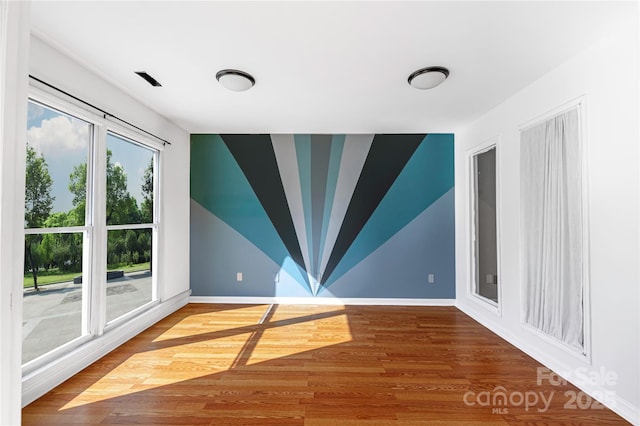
(52, 298)
(486, 252)
(129, 264)
(129, 182)
(56, 168)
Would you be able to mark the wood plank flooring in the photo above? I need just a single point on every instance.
(313, 365)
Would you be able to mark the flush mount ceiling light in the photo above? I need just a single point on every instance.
(428, 78)
(235, 80)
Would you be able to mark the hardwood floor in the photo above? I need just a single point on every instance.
(314, 365)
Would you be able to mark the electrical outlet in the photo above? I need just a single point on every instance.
(239, 276)
(431, 278)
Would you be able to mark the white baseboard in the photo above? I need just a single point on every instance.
(616, 404)
(320, 301)
(41, 381)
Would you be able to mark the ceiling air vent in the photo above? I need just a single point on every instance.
(152, 81)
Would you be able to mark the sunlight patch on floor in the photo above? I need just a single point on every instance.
(300, 338)
(233, 340)
(234, 317)
(163, 367)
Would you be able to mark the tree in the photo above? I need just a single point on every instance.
(127, 211)
(144, 244)
(117, 194)
(78, 187)
(38, 203)
(78, 184)
(50, 242)
(131, 243)
(121, 206)
(62, 250)
(146, 209)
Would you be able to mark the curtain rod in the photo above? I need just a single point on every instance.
(105, 113)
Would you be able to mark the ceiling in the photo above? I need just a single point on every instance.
(322, 67)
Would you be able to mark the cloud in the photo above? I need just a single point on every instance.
(59, 135)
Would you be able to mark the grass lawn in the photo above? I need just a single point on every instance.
(131, 268)
(45, 278)
(54, 277)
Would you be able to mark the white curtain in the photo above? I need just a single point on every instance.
(551, 225)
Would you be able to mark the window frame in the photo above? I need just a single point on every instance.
(95, 228)
(579, 104)
(473, 285)
(153, 226)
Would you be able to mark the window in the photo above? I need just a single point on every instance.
(56, 228)
(484, 225)
(552, 228)
(130, 224)
(73, 167)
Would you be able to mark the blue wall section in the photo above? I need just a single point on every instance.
(400, 267)
(218, 184)
(218, 252)
(406, 233)
(424, 179)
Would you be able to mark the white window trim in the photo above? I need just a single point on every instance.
(472, 294)
(579, 103)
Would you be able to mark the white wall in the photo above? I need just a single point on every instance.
(607, 75)
(14, 47)
(55, 68)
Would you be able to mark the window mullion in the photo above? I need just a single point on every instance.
(87, 251)
(56, 230)
(98, 200)
(157, 288)
(131, 226)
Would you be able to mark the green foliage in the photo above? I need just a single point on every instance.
(146, 209)
(144, 242)
(38, 200)
(62, 253)
(78, 185)
(33, 253)
(38, 203)
(128, 246)
(119, 202)
(131, 241)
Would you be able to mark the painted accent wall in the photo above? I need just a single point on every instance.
(348, 216)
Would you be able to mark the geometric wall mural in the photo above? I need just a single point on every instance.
(319, 205)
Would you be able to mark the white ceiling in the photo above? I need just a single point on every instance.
(322, 67)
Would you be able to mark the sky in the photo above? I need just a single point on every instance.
(64, 142)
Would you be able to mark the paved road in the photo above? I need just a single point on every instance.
(52, 316)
